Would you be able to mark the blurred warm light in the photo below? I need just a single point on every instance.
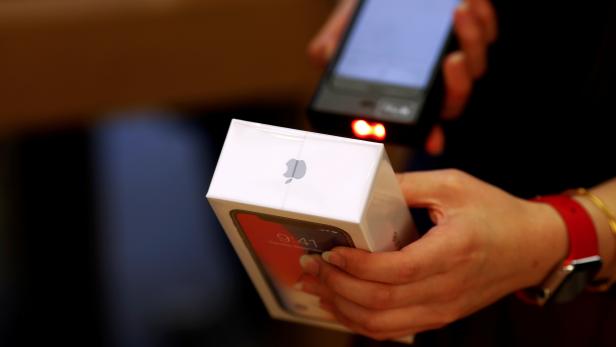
(365, 130)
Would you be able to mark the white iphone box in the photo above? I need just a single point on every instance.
(282, 193)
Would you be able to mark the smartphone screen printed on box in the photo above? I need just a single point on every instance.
(277, 244)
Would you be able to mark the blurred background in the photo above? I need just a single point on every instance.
(112, 116)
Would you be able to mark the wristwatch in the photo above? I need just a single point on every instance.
(583, 262)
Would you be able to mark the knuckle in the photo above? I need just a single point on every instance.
(469, 250)
(406, 271)
(328, 278)
(453, 178)
(373, 324)
(356, 266)
(470, 31)
(445, 319)
(466, 246)
(450, 315)
(452, 293)
(361, 320)
(382, 298)
(473, 36)
(353, 263)
(439, 325)
(337, 287)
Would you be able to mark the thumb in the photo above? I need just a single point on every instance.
(321, 48)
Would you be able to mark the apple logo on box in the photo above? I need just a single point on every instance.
(295, 169)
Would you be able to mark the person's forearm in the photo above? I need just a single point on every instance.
(607, 240)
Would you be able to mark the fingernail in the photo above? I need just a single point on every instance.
(309, 265)
(463, 6)
(334, 259)
(456, 57)
(462, 13)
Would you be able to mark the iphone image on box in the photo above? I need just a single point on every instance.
(277, 243)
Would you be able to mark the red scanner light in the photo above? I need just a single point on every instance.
(361, 128)
(364, 130)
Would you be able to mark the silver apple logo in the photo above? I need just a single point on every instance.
(295, 169)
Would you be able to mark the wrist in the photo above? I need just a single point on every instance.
(548, 240)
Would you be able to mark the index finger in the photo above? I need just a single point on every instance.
(417, 261)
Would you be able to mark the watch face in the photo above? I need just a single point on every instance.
(584, 271)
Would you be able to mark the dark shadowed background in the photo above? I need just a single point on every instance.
(112, 115)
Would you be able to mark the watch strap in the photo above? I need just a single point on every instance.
(581, 230)
(582, 255)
